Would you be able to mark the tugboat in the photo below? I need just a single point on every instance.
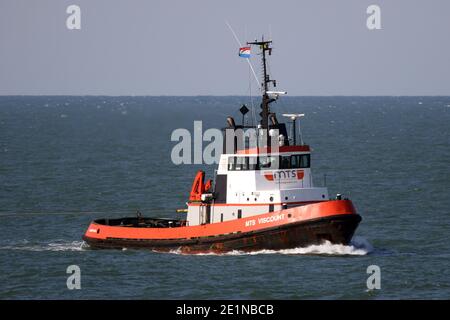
(262, 196)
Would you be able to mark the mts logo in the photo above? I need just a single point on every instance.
(284, 175)
(250, 223)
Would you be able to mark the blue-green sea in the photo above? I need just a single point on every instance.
(66, 160)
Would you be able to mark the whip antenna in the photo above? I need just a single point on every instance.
(240, 45)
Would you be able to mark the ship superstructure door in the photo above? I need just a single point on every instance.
(205, 214)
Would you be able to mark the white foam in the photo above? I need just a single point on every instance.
(51, 246)
(359, 247)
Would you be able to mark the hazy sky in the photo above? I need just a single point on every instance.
(183, 47)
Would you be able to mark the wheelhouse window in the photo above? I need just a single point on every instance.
(231, 163)
(268, 162)
(295, 161)
(285, 162)
(252, 163)
(240, 163)
(244, 163)
(301, 161)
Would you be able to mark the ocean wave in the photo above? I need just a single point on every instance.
(359, 246)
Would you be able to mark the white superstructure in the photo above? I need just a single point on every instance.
(250, 183)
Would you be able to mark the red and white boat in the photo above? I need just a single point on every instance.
(262, 197)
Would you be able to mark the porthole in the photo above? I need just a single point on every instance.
(271, 199)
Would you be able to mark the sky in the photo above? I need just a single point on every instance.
(179, 47)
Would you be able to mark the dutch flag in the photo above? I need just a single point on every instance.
(244, 52)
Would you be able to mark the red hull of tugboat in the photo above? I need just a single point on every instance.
(334, 220)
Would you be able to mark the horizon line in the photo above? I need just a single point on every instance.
(212, 95)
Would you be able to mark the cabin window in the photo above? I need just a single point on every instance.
(231, 163)
(300, 161)
(252, 163)
(242, 163)
(285, 162)
(270, 162)
(295, 161)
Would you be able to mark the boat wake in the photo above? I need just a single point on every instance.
(359, 246)
(57, 245)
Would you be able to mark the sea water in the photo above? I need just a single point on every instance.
(67, 160)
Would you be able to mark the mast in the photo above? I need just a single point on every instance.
(266, 99)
